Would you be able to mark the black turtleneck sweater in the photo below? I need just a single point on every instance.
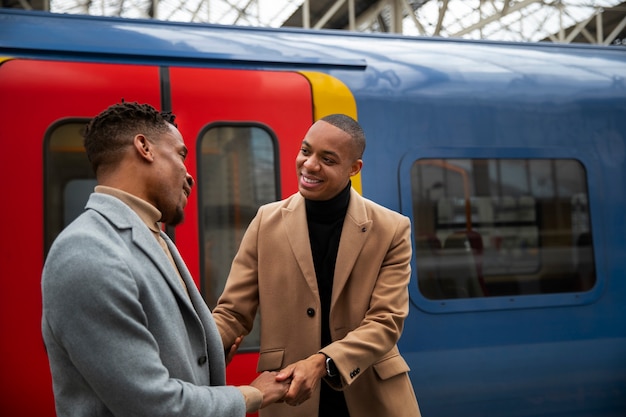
(325, 221)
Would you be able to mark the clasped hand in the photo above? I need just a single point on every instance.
(304, 377)
(294, 384)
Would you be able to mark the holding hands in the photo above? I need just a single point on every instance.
(304, 375)
(273, 390)
(294, 384)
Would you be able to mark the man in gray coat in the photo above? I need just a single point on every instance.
(126, 330)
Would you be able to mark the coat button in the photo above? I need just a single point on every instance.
(202, 360)
(310, 312)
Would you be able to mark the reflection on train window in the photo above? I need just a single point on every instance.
(237, 173)
(68, 178)
(501, 227)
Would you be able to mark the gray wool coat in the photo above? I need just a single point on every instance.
(122, 336)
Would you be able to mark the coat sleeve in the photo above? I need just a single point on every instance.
(237, 305)
(101, 342)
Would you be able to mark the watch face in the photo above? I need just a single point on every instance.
(331, 369)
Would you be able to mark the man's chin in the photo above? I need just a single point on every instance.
(176, 220)
(310, 195)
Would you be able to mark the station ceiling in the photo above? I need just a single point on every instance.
(566, 21)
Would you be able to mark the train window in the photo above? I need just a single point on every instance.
(501, 227)
(237, 173)
(68, 178)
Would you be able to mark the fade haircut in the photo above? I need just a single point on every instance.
(351, 127)
(107, 134)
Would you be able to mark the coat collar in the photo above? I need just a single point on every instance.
(123, 217)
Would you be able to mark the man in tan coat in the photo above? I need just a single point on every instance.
(328, 272)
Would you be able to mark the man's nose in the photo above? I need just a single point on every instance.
(311, 163)
(190, 180)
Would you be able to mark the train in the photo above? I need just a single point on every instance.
(509, 159)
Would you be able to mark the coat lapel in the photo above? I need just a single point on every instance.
(294, 218)
(143, 238)
(123, 217)
(213, 339)
(356, 229)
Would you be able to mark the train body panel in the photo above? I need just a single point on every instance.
(508, 158)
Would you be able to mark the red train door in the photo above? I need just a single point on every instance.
(246, 128)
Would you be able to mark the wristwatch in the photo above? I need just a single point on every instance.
(331, 369)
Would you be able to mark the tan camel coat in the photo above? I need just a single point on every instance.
(274, 273)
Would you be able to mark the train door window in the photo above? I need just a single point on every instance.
(501, 227)
(68, 178)
(237, 173)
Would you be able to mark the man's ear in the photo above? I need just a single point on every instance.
(143, 147)
(356, 167)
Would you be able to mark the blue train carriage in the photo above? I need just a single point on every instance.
(508, 158)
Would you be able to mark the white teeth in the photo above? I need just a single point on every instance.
(309, 180)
